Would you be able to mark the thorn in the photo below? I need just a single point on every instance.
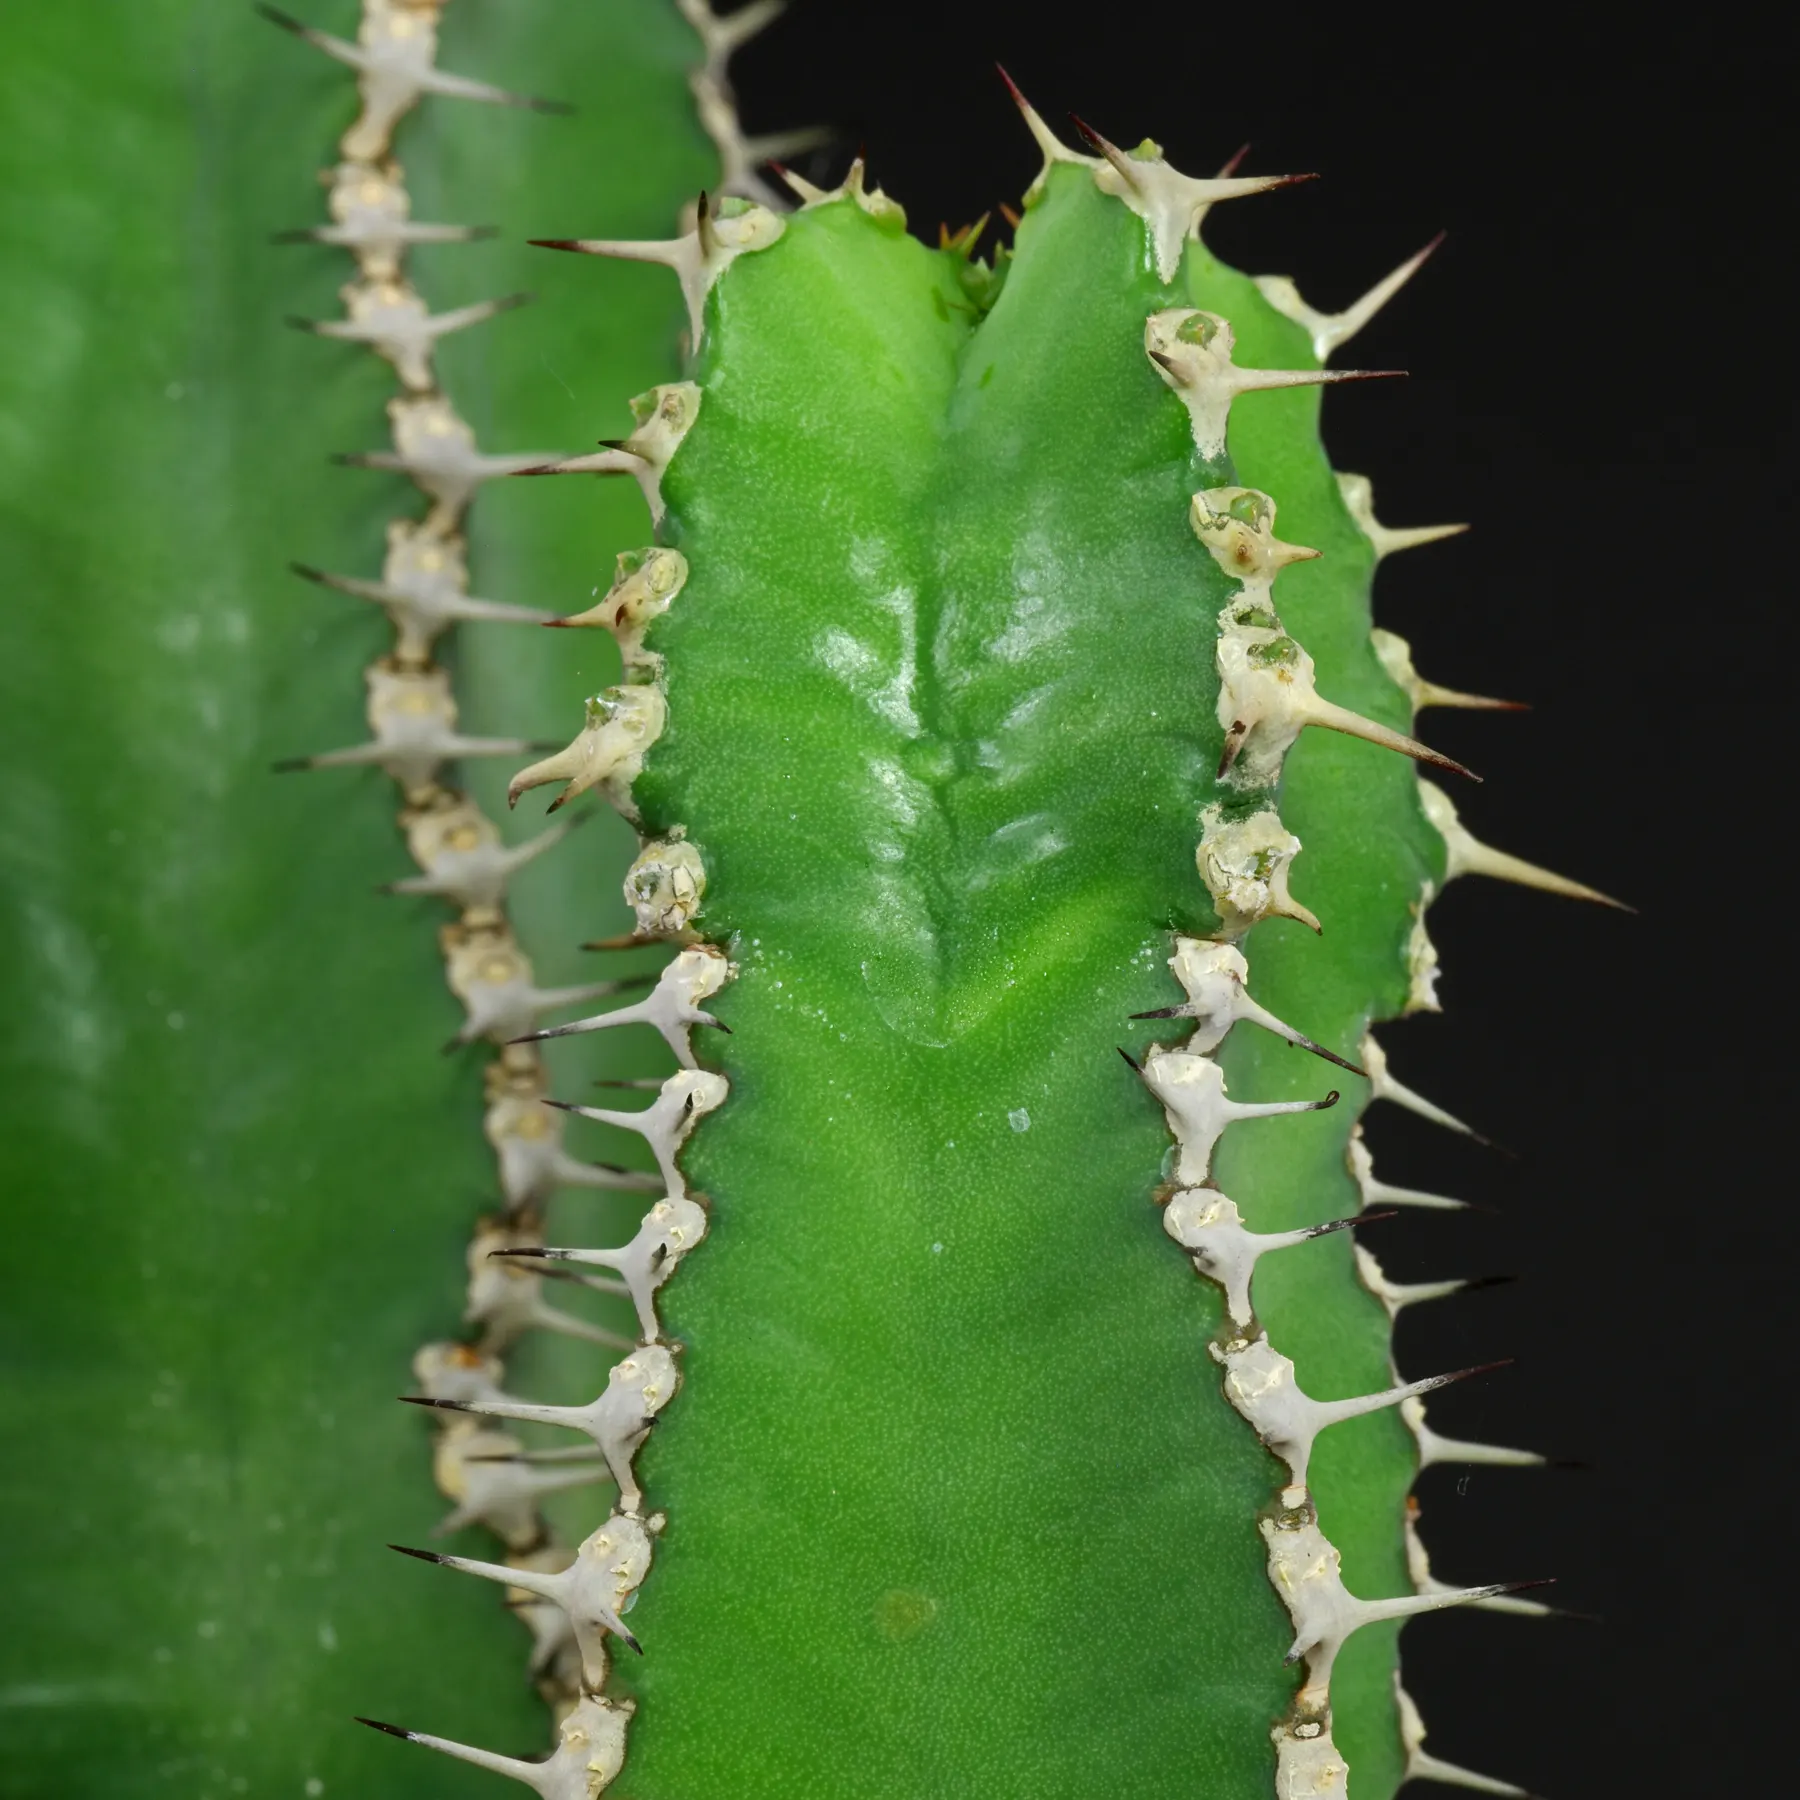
(1359, 501)
(430, 1556)
(1299, 1042)
(1233, 162)
(802, 189)
(1486, 1368)
(1385, 1087)
(1234, 742)
(1349, 1224)
(373, 1724)
(288, 22)
(1337, 718)
(1330, 330)
(1132, 1063)
(425, 1400)
(1111, 152)
(1465, 854)
(1012, 217)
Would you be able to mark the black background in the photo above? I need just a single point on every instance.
(1599, 359)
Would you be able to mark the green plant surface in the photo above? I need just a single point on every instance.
(244, 1176)
(956, 1504)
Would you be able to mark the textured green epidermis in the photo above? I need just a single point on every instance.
(248, 1173)
(956, 1504)
(1368, 851)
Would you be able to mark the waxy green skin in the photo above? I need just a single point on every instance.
(243, 1176)
(956, 1504)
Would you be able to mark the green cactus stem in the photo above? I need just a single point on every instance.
(966, 705)
(259, 1172)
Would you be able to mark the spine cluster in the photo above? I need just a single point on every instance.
(571, 1601)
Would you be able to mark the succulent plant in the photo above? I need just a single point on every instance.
(954, 678)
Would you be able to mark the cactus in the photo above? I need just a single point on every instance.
(961, 714)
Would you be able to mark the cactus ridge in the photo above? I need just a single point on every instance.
(571, 1601)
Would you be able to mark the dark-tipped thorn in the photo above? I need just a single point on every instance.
(628, 1638)
(1327, 1103)
(1164, 362)
(1137, 1068)
(1351, 1223)
(376, 1724)
(290, 765)
(1161, 1012)
(1012, 87)
(563, 107)
(1487, 1281)
(1233, 163)
(300, 324)
(1520, 1587)
(1011, 215)
(426, 1400)
(610, 443)
(288, 22)
(1439, 760)
(522, 1250)
(1234, 742)
(1110, 151)
(1297, 1042)
(555, 243)
(430, 1556)
(1486, 1368)
(561, 1105)
(302, 234)
(1574, 1463)
(307, 572)
(720, 1025)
